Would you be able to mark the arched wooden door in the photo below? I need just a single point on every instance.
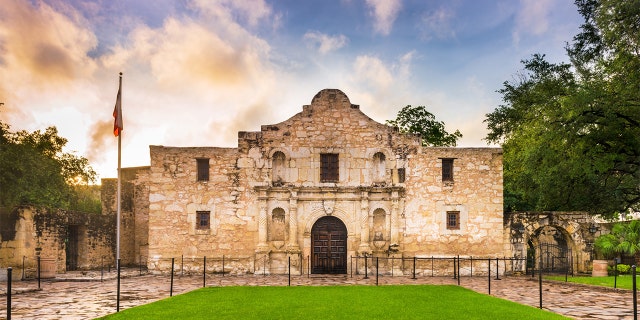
(329, 246)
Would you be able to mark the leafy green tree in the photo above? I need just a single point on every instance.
(35, 171)
(623, 239)
(418, 120)
(571, 132)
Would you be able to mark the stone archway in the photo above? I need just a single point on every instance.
(552, 249)
(526, 231)
(329, 246)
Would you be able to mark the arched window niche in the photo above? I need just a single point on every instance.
(277, 224)
(279, 170)
(379, 168)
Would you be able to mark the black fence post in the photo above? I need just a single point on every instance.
(414, 268)
(309, 266)
(171, 287)
(118, 286)
(366, 267)
(289, 271)
(635, 293)
(23, 274)
(489, 274)
(540, 280)
(204, 272)
(9, 271)
(497, 268)
(377, 272)
(615, 273)
(458, 270)
(454, 268)
(38, 272)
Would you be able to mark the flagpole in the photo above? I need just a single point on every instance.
(119, 183)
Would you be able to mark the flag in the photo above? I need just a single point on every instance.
(117, 111)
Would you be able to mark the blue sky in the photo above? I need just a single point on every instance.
(198, 71)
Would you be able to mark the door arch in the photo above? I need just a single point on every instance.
(329, 246)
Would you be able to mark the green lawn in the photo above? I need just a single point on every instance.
(623, 282)
(334, 302)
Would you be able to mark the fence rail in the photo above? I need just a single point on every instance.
(361, 266)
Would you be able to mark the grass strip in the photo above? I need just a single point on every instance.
(334, 302)
(623, 281)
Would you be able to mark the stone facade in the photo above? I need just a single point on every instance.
(260, 202)
(63, 240)
(134, 213)
(555, 239)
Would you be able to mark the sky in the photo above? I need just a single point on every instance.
(195, 72)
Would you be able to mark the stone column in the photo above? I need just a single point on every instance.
(262, 223)
(364, 223)
(293, 222)
(395, 209)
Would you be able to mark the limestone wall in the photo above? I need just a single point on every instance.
(175, 196)
(265, 196)
(134, 214)
(29, 233)
(475, 192)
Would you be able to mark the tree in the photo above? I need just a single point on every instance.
(571, 132)
(623, 239)
(35, 171)
(418, 120)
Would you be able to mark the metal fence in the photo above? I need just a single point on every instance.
(363, 267)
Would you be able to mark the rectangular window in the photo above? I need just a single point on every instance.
(447, 169)
(203, 220)
(401, 174)
(453, 220)
(329, 167)
(203, 169)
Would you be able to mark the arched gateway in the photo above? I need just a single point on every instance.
(329, 246)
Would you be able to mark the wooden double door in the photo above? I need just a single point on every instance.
(329, 246)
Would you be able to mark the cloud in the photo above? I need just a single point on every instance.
(437, 24)
(372, 71)
(43, 53)
(532, 18)
(384, 13)
(252, 13)
(325, 43)
(43, 46)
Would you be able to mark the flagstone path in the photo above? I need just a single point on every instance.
(77, 295)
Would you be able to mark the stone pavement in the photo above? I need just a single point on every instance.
(77, 295)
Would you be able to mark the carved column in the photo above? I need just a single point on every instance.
(395, 210)
(293, 222)
(364, 223)
(262, 223)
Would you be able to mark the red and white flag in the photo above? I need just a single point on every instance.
(117, 112)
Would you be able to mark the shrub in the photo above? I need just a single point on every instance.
(624, 268)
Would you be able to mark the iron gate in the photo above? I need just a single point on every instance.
(554, 258)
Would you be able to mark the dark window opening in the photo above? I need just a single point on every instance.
(203, 169)
(329, 167)
(401, 175)
(453, 220)
(447, 169)
(203, 220)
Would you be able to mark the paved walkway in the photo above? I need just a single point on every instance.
(83, 296)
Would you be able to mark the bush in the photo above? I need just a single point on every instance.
(624, 268)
